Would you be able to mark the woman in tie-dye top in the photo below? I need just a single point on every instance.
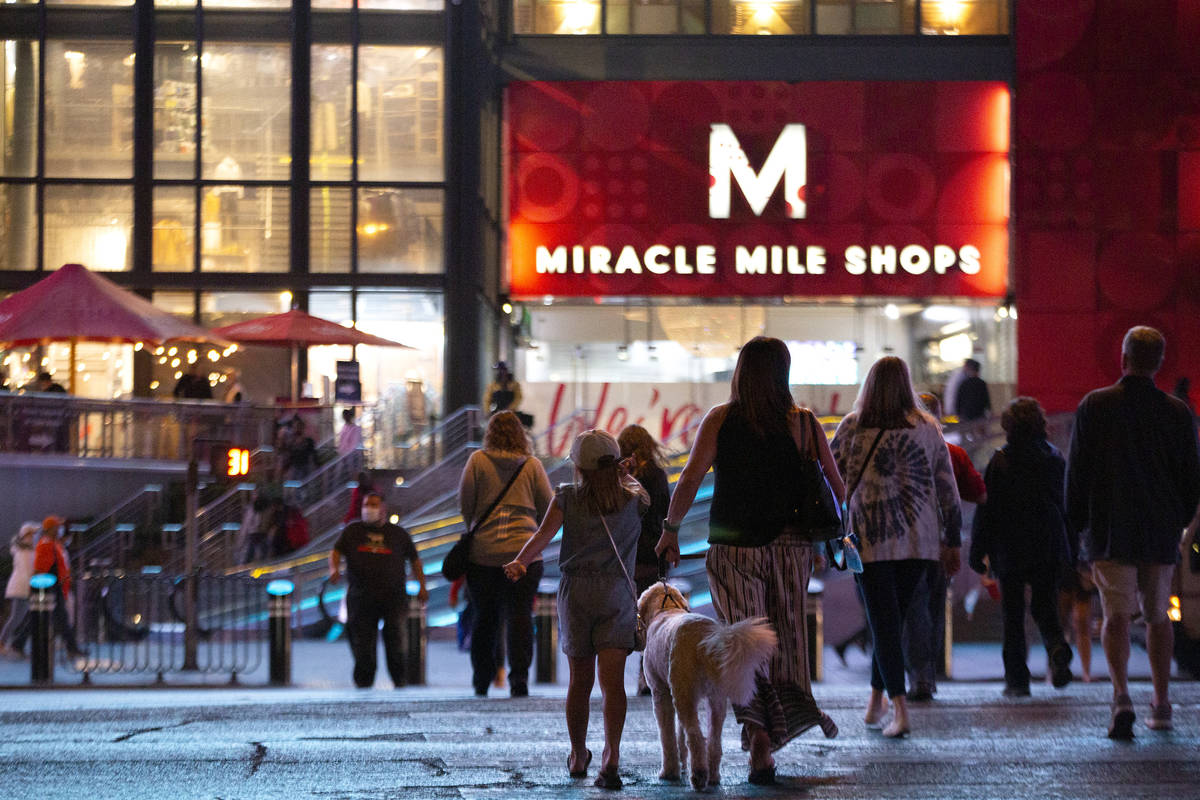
(905, 510)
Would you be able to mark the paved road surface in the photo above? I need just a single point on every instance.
(435, 743)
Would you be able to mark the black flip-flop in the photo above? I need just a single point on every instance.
(609, 779)
(582, 773)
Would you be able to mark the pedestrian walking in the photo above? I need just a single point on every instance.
(350, 436)
(644, 461)
(1133, 483)
(258, 521)
(50, 557)
(600, 517)
(299, 450)
(971, 398)
(1020, 535)
(503, 393)
(17, 589)
(376, 552)
(758, 566)
(924, 634)
(905, 509)
(502, 493)
(364, 484)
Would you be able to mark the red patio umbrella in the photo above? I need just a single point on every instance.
(76, 305)
(296, 329)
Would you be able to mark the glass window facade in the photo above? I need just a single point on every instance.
(18, 229)
(244, 229)
(88, 224)
(20, 75)
(89, 109)
(247, 111)
(400, 114)
(174, 229)
(759, 17)
(332, 70)
(188, 179)
(399, 230)
(175, 109)
(330, 239)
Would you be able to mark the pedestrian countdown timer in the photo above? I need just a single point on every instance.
(237, 462)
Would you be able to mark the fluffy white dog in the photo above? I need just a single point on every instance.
(690, 658)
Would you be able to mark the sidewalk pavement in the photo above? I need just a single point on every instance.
(320, 664)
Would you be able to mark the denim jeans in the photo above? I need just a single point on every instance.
(887, 590)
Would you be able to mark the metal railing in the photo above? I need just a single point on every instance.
(132, 623)
(145, 429)
(112, 537)
(427, 448)
(326, 480)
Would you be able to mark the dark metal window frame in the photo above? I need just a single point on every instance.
(143, 26)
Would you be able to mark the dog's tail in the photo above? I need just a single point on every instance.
(740, 650)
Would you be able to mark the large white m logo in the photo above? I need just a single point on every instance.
(786, 160)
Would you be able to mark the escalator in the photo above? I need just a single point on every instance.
(437, 524)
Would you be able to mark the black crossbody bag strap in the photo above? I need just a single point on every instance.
(852, 489)
(866, 465)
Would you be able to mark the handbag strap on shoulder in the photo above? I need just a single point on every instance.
(499, 497)
(866, 465)
(613, 542)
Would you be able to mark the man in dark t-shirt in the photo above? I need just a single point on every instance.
(375, 552)
(972, 401)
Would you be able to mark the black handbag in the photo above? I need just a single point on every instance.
(816, 515)
(454, 565)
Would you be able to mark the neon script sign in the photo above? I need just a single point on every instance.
(722, 202)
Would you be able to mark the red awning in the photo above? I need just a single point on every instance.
(76, 304)
(298, 329)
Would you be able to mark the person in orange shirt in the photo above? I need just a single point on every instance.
(51, 557)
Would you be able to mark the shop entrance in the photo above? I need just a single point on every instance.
(664, 363)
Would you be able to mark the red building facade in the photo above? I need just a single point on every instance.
(1106, 170)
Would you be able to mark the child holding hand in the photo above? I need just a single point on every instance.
(600, 516)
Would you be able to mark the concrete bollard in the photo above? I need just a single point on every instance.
(279, 615)
(416, 643)
(814, 623)
(41, 620)
(545, 631)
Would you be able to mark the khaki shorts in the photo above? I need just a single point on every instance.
(1121, 586)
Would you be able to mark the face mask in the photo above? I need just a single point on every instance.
(372, 515)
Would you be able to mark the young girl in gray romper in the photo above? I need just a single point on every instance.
(597, 610)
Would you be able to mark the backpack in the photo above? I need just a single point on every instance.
(296, 531)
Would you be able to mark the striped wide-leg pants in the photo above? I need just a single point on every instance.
(771, 581)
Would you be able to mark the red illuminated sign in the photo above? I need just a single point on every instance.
(758, 188)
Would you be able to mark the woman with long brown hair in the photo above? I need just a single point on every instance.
(757, 565)
(506, 473)
(904, 506)
(644, 459)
